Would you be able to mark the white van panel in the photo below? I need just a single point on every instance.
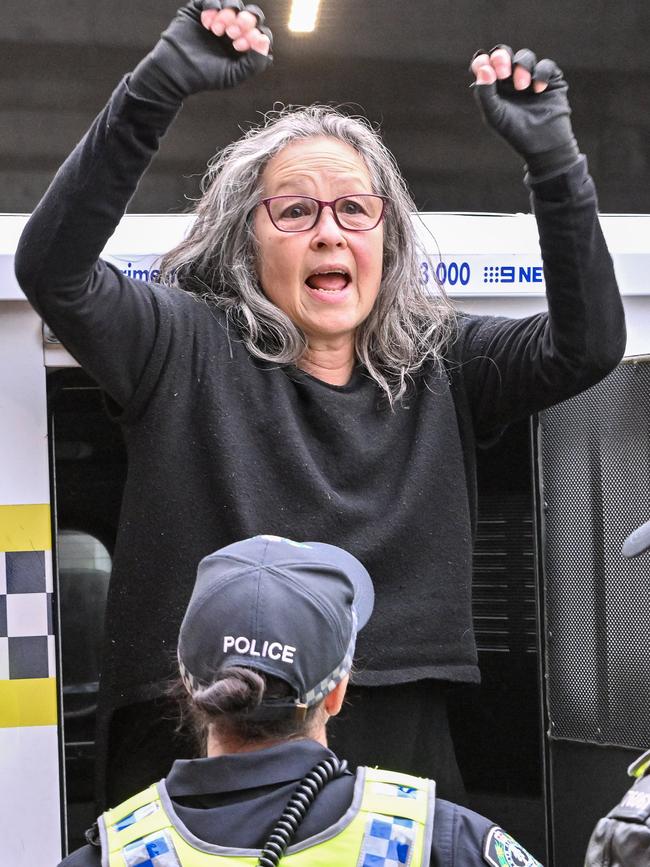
(29, 747)
(24, 474)
(488, 264)
(29, 797)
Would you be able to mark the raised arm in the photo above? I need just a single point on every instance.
(514, 367)
(105, 319)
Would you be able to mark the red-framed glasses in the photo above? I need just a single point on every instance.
(359, 212)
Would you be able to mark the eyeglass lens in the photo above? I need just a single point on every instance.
(297, 213)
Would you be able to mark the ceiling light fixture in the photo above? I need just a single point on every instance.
(303, 15)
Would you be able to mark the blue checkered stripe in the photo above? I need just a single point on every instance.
(318, 692)
(191, 684)
(135, 816)
(390, 790)
(26, 627)
(156, 850)
(389, 841)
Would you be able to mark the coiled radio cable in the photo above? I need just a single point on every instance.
(296, 810)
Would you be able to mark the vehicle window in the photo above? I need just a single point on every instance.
(84, 567)
(77, 550)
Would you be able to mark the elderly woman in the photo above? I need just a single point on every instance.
(289, 374)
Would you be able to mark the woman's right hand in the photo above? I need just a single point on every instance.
(209, 45)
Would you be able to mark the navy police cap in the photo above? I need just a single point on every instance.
(287, 609)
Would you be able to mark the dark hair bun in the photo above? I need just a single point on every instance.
(235, 691)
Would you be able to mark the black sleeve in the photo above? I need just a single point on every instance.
(87, 856)
(106, 320)
(458, 836)
(513, 367)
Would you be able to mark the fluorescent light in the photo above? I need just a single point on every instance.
(303, 15)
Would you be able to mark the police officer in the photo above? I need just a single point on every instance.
(265, 652)
(622, 838)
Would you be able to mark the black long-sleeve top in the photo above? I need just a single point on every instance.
(222, 447)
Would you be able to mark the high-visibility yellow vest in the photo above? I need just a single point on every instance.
(388, 824)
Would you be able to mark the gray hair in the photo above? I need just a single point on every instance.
(217, 260)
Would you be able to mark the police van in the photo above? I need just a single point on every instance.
(560, 617)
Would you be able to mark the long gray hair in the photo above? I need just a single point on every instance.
(217, 260)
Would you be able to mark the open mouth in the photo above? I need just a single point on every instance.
(329, 280)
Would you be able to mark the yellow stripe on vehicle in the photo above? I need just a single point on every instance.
(25, 528)
(28, 702)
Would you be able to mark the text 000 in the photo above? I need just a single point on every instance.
(449, 273)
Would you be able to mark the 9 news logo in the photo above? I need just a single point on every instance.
(513, 274)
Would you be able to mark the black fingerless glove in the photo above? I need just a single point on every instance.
(536, 125)
(189, 59)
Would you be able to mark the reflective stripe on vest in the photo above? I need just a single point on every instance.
(388, 824)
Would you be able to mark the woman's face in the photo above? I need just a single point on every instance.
(326, 279)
